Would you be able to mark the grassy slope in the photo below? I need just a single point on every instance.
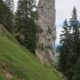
(20, 63)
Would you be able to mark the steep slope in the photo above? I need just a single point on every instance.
(17, 63)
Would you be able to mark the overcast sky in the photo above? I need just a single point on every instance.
(64, 10)
(15, 3)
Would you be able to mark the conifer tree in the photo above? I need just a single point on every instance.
(9, 14)
(9, 4)
(75, 25)
(75, 59)
(65, 47)
(70, 47)
(26, 26)
(5, 15)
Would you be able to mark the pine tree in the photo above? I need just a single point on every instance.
(70, 47)
(65, 48)
(5, 15)
(9, 4)
(75, 25)
(1, 11)
(26, 26)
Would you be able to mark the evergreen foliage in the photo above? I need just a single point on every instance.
(26, 24)
(9, 4)
(6, 16)
(70, 47)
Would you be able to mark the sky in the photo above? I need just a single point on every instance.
(15, 3)
(63, 11)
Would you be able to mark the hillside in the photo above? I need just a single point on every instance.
(17, 63)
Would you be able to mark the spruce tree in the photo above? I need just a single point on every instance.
(26, 27)
(65, 47)
(9, 14)
(70, 48)
(75, 59)
(1, 11)
(75, 25)
(5, 15)
(9, 4)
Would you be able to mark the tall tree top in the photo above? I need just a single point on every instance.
(74, 14)
(65, 23)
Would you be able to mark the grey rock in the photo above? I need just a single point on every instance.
(47, 35)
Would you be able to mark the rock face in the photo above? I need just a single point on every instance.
(47, 33)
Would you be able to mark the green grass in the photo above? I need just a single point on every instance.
(2, 78)
(22, 65)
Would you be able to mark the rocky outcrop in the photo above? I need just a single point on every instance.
(47, 33)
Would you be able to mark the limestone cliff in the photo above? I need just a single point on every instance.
(47, 34)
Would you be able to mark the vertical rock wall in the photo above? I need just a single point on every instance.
(47, 33)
